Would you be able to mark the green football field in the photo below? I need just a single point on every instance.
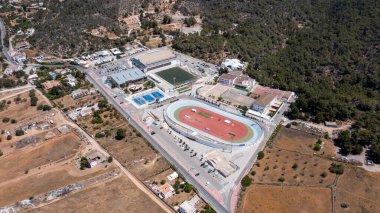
(176, 76)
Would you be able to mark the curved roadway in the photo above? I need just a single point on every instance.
(4, 48)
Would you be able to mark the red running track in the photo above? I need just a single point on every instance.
(214, 125)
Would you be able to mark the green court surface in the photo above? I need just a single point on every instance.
(176, 76)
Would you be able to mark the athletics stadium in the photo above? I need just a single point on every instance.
(211, 126)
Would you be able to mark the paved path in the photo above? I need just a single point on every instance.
(4, 48)
(212, 197)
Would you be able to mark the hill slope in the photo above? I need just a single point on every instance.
(327, 51)
(63, 28)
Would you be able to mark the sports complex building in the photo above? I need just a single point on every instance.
(155, 59)
(211, 126)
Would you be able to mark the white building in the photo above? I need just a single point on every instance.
(19, 57)
(63, 71)
(155, 59)
(185, 207)
(172, 176)
(32, 78)
(188, 206)
(116, 51)
(11, 69)
(264, 102)
(164, 191)
(234, 64)
(83, 112)
(71, 80)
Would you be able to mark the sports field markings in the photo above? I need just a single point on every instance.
(175, 76)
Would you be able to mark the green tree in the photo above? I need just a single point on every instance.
(109, 159)
(208, 209)
(120, 134)
(190, 21)
(46, 108)
(19, 132)
(188, 188)
(97, 120)
(84, 163)
(100, 135)
(260, 155)
(336, 168)
(167, 19)
(246, 181)
(33, 101)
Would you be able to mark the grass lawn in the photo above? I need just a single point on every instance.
(204, 114)
(176, 76)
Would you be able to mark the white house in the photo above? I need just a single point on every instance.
(71, 80)
(165, 191)
(32, 78)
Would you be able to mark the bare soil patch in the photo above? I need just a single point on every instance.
(359, 189)
(118, 195)
(56, 149)
(40, 183)
(21, 111)
(292, 177)
(287, 199)
(133, 152)
(137, 156)
(291, 157)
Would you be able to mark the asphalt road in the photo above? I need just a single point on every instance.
(204, 193)
(4, 48)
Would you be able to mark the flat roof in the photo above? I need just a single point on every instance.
(155, 56)
(221, 163)
(265, 99)
(127, 76)
(237, 98)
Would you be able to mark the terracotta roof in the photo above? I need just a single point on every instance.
(228, 76)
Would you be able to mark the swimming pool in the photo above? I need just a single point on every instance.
(148, 98)
(157, 95)
(139, 101)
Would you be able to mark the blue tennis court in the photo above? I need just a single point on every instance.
(148, 98)
(139, 101)
(157, 95)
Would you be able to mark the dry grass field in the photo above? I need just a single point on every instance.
(47, 164)
(137, 156)
(359, 189)
(14, 165)
(302, 142)
(118, 195)
(275, 199)
(6, 94)
(291, 156)
(289, 179)
(31, 185)
(21, 111)
(133, 152)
